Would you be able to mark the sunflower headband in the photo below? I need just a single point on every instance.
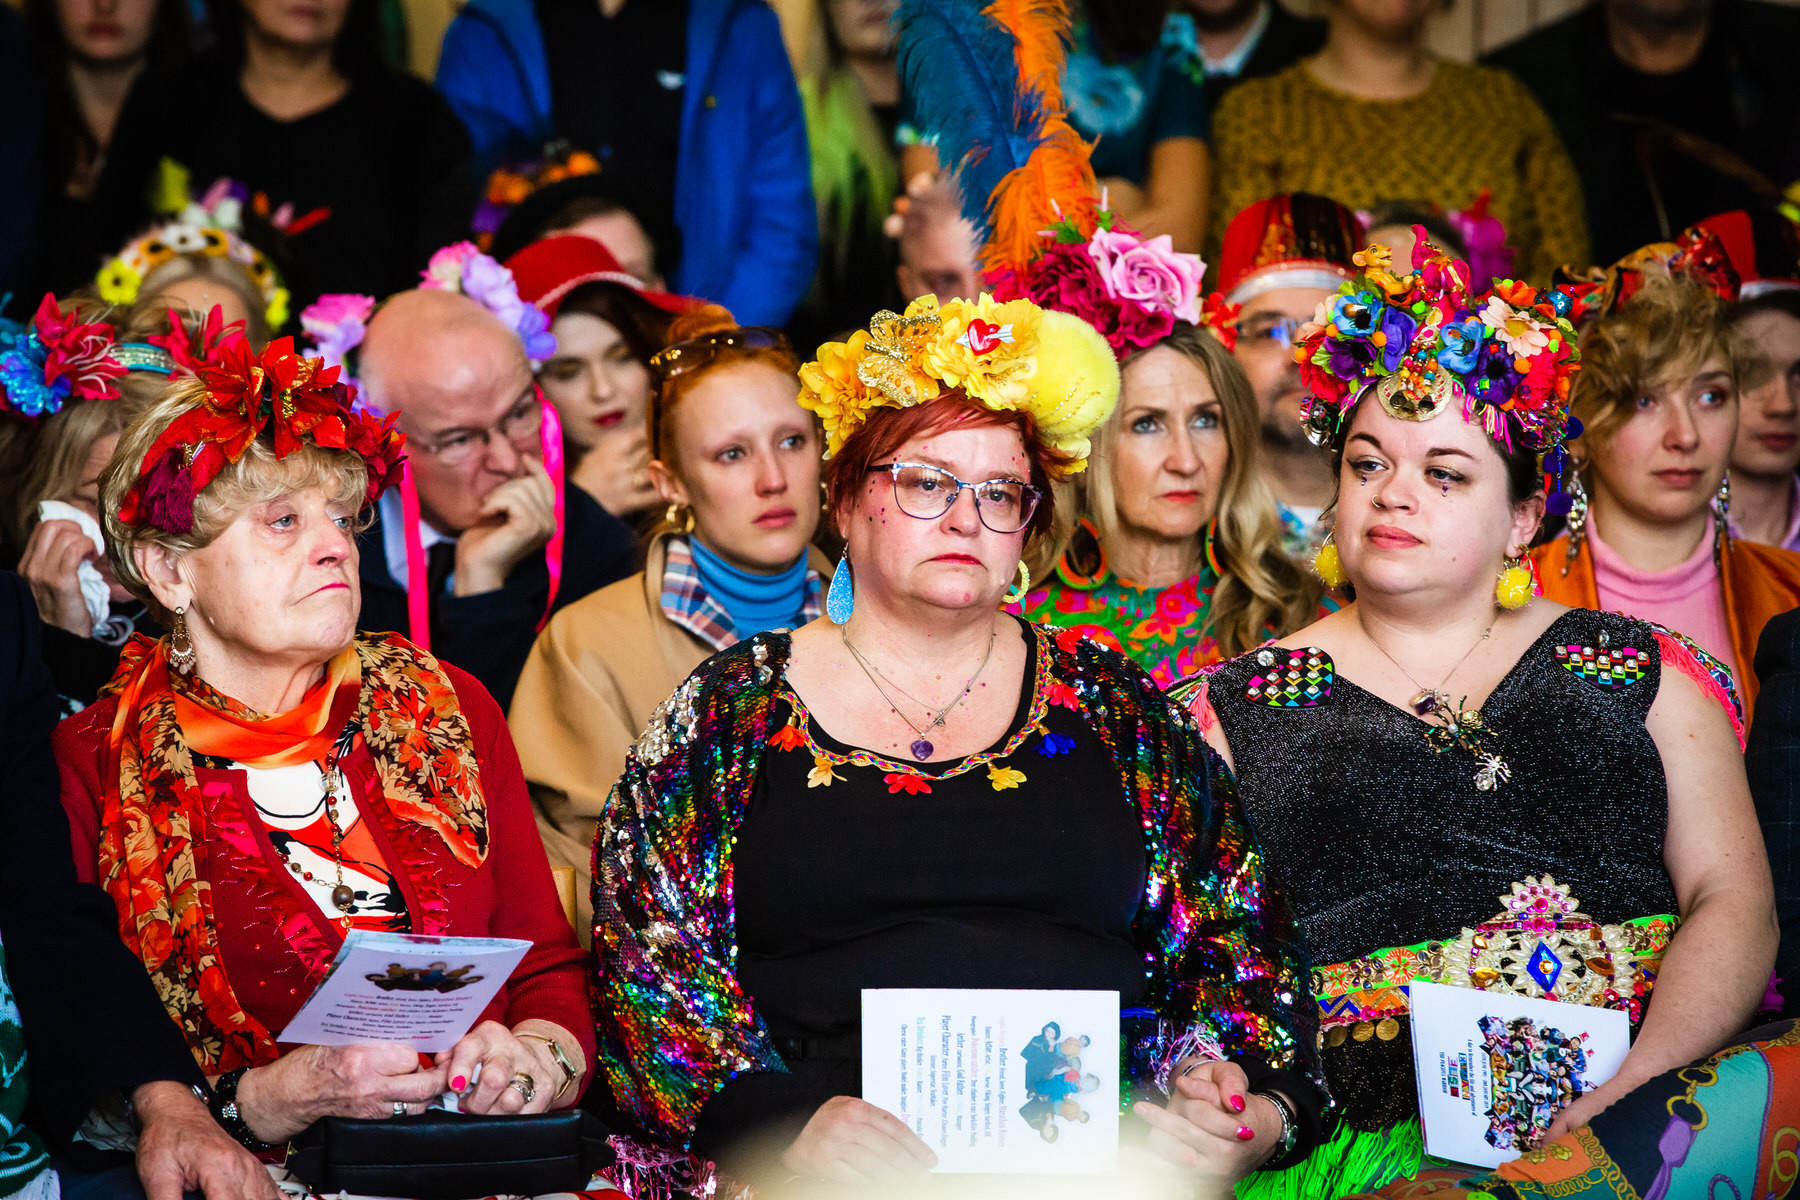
(1421, 343)
(1007, 356)
(120, 280)
(278, 394)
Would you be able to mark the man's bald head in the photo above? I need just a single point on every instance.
(434, 354)
(457, 376)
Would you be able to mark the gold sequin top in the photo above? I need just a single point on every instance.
(1474, 127)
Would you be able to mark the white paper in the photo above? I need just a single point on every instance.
(1015, 1082)
(1495, 1067)
(423, 992)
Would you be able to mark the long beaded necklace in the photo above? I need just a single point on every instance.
(1460, 727)
(343, 896)
(921, 747)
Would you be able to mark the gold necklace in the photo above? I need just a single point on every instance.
(921, 748)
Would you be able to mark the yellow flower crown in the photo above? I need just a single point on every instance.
(1008, 357)
(120, 280)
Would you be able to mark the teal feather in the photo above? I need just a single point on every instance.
(957, 66)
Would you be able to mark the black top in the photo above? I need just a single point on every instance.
(1741, 95)
(1772, 760)
(490, 635)
(92, 1021)
(617, 85)
(390, 161)
(1382, 841)
(849, 886)
(81, 666)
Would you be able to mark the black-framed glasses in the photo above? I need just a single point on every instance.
(928, 492)
(522, 424)
(695, 353)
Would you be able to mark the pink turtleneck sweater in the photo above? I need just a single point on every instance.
(1687, 598)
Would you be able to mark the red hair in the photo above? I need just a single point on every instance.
(888, 429)
(697, 323)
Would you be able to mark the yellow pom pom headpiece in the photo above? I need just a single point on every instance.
(1007, 356)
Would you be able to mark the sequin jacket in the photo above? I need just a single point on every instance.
(674, 1024)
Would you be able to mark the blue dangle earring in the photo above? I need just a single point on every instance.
(840, 600)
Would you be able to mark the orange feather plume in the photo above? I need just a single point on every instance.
(1056, 182)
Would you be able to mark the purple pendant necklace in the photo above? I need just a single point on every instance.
(921, 748)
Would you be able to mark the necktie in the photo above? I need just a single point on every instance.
(440, 564)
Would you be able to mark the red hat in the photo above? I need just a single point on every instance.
(547, 271)
(1764, 249)
(1294, 240)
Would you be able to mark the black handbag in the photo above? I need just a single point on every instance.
(449, 1156)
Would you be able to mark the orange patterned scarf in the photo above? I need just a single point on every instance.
(151, 818)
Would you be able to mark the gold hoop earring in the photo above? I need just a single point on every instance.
(1020, 589)
(182, 658)
(680, 517)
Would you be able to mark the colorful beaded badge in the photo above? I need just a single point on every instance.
(1303, 681)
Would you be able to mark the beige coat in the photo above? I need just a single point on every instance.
(595, 675)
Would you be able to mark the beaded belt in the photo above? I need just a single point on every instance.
(1539, 945)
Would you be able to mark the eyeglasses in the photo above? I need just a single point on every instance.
(695, 353)
(521, 425)
(1283, 331)
(926, 492)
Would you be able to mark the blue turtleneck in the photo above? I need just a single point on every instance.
(754, 602)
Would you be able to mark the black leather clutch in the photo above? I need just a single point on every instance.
(450, 1156)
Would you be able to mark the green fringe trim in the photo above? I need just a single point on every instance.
(1352, 1161)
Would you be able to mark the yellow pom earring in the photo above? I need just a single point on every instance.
(1516, 585)
(1327, 565)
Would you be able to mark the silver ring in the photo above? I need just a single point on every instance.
(524, 1084)
(399, 1108)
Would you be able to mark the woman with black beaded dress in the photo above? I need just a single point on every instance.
(1445, 756)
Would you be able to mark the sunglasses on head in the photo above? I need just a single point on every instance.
(694, 353)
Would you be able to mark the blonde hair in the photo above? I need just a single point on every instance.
(255, 478)
(1260, 588)
(219, 270)
(1671, 323)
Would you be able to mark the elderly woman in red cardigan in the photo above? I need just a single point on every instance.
(265, 779)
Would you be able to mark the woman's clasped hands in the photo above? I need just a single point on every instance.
(1214, 1127)
(492, 1070)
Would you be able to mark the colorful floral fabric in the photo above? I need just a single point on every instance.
(152, 818)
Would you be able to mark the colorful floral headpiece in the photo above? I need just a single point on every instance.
(509, 187)
(1131, 288)
(277, 394)
(192, 351)
(1005, 355)
(1421, 343)
(120, 280)
(56, 360)
(463, 268)
(1697, 253)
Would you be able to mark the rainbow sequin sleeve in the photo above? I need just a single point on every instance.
(1222, 954)
(673, 1023)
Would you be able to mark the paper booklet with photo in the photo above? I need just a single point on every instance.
(1016, 1082)
(424, 992)
(1494, 1067)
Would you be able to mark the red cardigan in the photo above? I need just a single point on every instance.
(275, 943)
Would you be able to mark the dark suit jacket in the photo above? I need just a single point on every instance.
(1772, 759)
(1286, 40)
(490, 635)
(92, 1021)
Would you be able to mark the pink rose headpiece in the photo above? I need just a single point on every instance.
(464, 268)
(1131, 288)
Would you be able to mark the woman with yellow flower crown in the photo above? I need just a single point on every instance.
(858, 780)
(1460, 785)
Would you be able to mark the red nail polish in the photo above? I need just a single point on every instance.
(458, 1084)
(1237, 1104)
(1245, 1133)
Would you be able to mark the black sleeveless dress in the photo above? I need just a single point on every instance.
(1382, 841)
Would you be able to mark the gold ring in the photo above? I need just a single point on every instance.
(525, 1084)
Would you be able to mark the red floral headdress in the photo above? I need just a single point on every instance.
(204, 347)
(56, 360)
(1698, 253)
(278, 393)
